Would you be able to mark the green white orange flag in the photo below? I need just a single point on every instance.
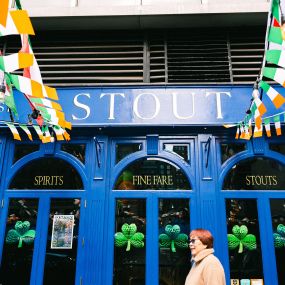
(39, 132)
(277, 99)
(276, 56)
(15, 61)
(237, 133)
(266, 122)
(9, 97)
(33, 88)
(59, 133)
(257, 131)
(27, 131)
(18, 22)
(277, 74)
(46, 103)
(14, 131)
(277, 124)
(46, 134)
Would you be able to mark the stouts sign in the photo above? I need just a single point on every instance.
(167, 106)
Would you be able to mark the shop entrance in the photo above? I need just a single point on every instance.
(152, 208)
(42, 217)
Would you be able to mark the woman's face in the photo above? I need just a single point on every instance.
(196, 245)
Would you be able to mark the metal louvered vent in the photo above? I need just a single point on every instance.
(198, 58)
(146, 57)
(247, 51)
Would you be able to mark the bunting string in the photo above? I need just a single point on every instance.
(47, 116)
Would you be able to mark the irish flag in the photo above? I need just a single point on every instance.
(257, 131)
(277, 124)
(39, 131)
(14, 131)
(27, 131)
(18, 22)
(277, 99)
(15, 61)
(277, 74)
(266, 122)
(276, 56)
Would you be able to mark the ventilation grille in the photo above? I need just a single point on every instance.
(150, 57)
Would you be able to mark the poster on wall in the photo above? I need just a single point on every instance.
(62, 232)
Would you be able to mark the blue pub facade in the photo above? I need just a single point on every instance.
(97, 209)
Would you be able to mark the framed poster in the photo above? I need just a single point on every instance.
(62, 232)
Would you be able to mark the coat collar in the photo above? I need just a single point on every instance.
(202, 254)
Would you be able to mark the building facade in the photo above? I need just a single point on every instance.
(148, 88)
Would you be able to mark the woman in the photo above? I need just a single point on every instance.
(206, 268)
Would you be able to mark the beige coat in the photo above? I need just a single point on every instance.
(206, 270)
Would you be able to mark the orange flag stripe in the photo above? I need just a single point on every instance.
(4, 4)
(22, 22)
(51, 92)
(25, 59)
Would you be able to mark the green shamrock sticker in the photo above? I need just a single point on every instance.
(279, 236)
(240, 238)
(129, 236)
(172, 238)
(20, 234)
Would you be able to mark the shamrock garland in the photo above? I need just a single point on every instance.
(173, 237)
(129, 236)
(279, 236)
(20, 234)
(241, 238)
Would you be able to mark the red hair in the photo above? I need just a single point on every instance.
(204, 236)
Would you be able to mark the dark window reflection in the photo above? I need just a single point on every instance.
(22, 150)
(174, 255)
(130, 242)
(230, 149)
(244, 239)
(181, 150)
(47, 173)
(62, 242)
(256, 174)
(19, 242)
(152, 173)
(122, 150)
(278, 223)
(77, 150)
(277, 147)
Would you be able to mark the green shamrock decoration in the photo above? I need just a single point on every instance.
(279, 237)
(20, 234)
(129, 236)
(241, 238)
(173, 237)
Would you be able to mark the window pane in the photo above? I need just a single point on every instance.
(22, 150)
(62, 242)
(152, 174)
(122, 150)
(256, 174)
(174, 254)
(244, 239)
(130, 242)
(47, 173)
(77, 150)
(230, 149)
(278, 223)
(19, 242)
(181, 150)
(277, 147)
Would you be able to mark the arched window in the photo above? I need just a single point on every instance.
(47, 173)
(257, 173)
(152, 174)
